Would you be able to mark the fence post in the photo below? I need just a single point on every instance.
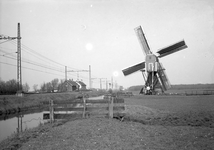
(51, 111)
(84, 106)
(111, 105)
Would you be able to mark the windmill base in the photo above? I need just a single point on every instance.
(156, 91)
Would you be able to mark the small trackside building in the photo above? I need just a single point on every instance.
(71, 85)
(82, 86)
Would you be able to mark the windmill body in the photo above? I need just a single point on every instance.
(153, 72)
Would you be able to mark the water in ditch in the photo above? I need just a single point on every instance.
(12, 125)
(9, 126)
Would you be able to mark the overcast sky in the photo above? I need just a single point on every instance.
(100, 33)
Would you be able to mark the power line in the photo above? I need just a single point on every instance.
(31, 69)
(46, 67)
(7, 41)
(6, 53)
(43, 66)
(41, 57)
(33, 52)
(34, 64)
(8, 48)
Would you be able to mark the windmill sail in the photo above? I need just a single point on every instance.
(163, 78)
(134, 68)
(154, 73)
(172, 48)
(142, 39)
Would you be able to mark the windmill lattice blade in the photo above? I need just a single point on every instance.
(134, 68)
(163, 78)
(142, 39)
(172, 48)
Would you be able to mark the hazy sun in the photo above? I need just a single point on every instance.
(115, 73)
(89, 46)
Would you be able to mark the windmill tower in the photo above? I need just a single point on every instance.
(152, 70)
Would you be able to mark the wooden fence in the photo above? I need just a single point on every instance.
(85, 107)
(124, 94)
(120, 95)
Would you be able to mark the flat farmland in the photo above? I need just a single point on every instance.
(174, 103)
(171, 110)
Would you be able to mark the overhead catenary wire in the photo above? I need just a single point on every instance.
(43, 58)
(6, 41)
(41, 66)
(37, 55)
(32, 69)
(33, 64)
(46, 67)
(13, 49)
(33, 52)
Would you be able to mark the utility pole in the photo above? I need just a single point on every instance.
(90, 77)
(112, 83)
(65, 73)
(66, 83)
(106, 84)
(77, 72)
(101, 82)
(92, 81)
(19, 70)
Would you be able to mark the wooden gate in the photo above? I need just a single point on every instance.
(85, 107)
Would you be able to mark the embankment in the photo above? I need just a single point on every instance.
(12, 104)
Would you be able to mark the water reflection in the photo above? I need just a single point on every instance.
(19, 123)
(19, 128)
(16, 123)
(96, 98)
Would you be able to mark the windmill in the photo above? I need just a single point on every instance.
(152, 70)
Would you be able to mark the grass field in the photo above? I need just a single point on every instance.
(171, 110)
(189, 89)
(174, 103)
(150, 122)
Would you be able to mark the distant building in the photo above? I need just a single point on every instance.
(71, 85)
(82, 86)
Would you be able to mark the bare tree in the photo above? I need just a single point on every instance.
(43, 87)
(25, 87)
(49, 87)
(62, 86)
(54, 84)
(35, 87)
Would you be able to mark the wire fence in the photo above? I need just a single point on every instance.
(198, 92)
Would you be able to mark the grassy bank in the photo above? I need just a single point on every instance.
(10, 104)
(103, 133)
(149, 123)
